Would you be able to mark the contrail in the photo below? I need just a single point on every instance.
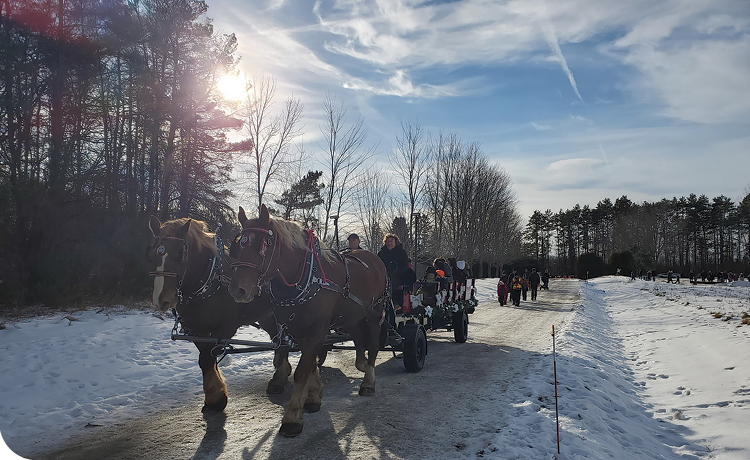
(604, 155)
(549, 34)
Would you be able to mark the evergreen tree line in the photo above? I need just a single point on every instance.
(691, 233)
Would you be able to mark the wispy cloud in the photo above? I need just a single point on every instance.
(400, 85)
(539, 127)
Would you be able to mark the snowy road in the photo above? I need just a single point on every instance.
(449, 409)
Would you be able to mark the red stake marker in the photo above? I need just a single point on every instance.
(557, 414)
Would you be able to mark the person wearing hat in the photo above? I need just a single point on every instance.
(458, 272)
(428, 287)
(353, 240)
(516, 284)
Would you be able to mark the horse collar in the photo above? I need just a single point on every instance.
(216, 278)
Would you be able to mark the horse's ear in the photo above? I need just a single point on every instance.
(264, 217)
(154, 225)
(242, 217)
(184, 230)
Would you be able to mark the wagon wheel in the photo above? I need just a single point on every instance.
(415, 351)
(460, 326)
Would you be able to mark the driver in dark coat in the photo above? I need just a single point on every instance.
(396, 262)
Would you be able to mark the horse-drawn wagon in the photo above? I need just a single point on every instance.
(306, 298)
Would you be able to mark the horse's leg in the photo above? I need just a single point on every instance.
(359, 338)
(214, 388)
(291, 423)
(373, 346)
(314, 392)
(283, 371)
(362, 335)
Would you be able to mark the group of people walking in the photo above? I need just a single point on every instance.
(518, 285)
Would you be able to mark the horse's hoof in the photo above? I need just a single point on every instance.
(366, 391)
(217, 406)
(312, 407)
(274, 389)
(290, 430)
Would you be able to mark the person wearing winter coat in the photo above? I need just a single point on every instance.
(461, 264)
(545, 279)
(458, 274)
(534, 281)
(516, 284)
(396, 262)
(442, 266)
(503, 289)
(525, 283)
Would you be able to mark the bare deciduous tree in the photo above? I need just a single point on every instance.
(372, 202)
(346, 155)
(272, 136)
(411, 160)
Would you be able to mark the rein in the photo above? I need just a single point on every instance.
(308, 286)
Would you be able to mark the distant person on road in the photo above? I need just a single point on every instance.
(502, 291)
(545, 279)
(525, 283)
(534, 281)
(515, 288)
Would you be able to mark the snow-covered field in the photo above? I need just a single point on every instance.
(644, 370)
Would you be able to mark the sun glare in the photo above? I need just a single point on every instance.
(232, 87)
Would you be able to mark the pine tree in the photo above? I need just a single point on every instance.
(303, 196)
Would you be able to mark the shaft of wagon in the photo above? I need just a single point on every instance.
(554, 364)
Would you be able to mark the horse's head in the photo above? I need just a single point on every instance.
(167, 254)
(255, 255)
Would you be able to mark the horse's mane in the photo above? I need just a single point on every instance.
(198, 236)
(292, 235)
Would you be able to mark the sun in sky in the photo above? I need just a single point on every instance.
(232, 87)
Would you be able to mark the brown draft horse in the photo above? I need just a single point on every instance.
(187, 270)
(332, 291)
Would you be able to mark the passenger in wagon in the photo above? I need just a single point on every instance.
(458, 271)
(353, 240)
(396, 262)
(428, 287)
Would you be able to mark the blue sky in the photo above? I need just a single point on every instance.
(578, 100)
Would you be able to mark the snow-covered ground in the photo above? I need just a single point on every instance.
(644, 370)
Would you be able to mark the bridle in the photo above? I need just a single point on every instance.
(244, 242)
(215, 279)
(161, 250)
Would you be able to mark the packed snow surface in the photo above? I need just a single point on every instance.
(644, 370)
